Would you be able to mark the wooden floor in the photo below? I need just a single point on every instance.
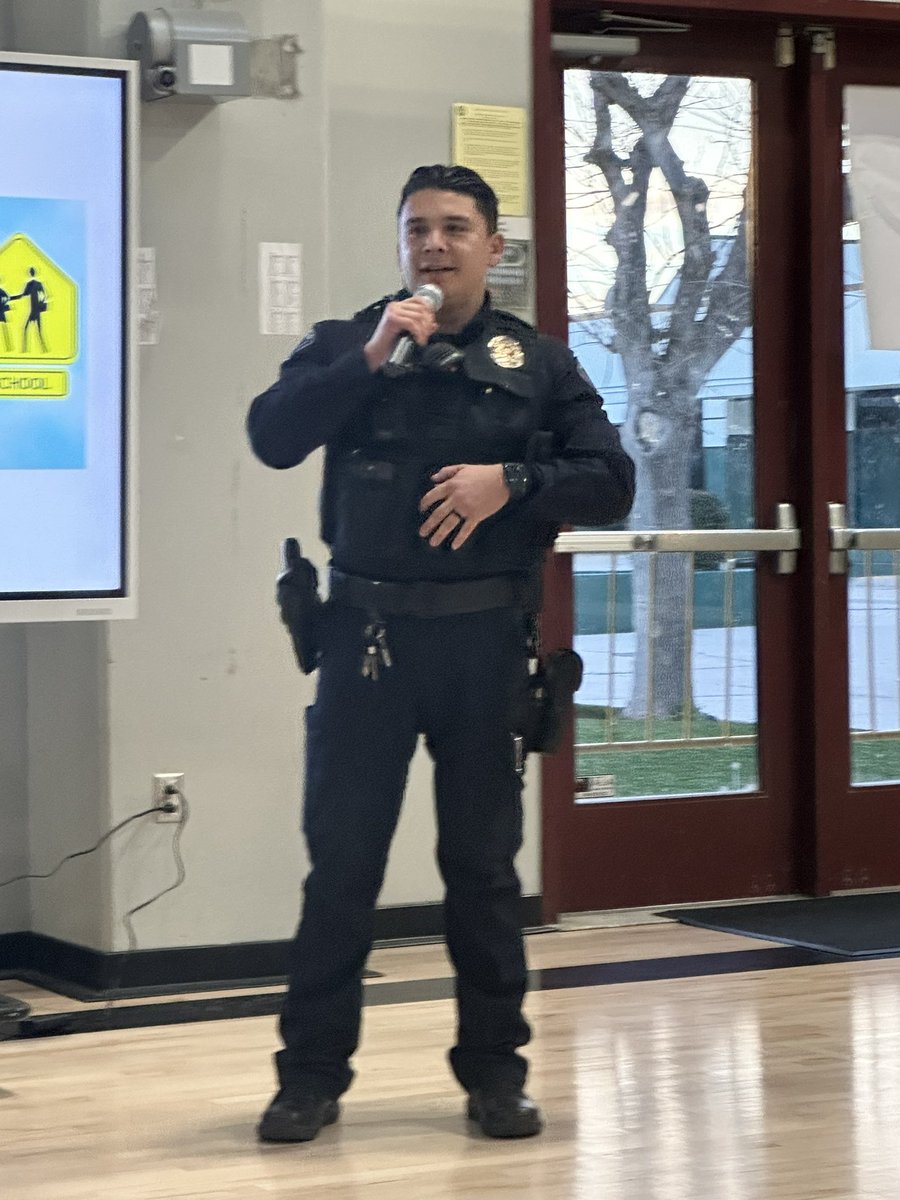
(769, 1085)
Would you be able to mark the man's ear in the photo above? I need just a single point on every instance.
(497, 244)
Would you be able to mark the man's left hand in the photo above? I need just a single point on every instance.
(464, 496)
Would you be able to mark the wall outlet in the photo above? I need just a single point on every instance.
(168, 797)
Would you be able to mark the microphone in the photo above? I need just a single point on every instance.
(400, 359)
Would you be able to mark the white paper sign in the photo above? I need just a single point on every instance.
(280, 288)
(873, 115)
(510, 281)
(147, 298)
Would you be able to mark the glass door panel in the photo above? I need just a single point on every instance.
(873, 610)
(659, 206)
(871, 168)
(708, 744)
(670, 213)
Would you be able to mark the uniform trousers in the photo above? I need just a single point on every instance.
(453, 679)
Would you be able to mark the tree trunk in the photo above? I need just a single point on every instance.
(661, 448)
(666, 354)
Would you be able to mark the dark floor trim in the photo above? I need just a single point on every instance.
(176, 1012)
(85, 974)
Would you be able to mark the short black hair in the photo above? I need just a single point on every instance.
(454, 178)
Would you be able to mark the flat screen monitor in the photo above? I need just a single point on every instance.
(67, 380)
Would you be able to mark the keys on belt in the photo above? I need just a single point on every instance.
(377, 653)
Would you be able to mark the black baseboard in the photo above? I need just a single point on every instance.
(86, 974)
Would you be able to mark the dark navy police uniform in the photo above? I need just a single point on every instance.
(452, 627)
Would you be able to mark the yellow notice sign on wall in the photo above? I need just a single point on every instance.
(491, 140)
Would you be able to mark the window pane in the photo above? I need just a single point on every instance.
(659, 217)
(709, 744)
(872, 382)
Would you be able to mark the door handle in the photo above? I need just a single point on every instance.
(842, 538)
(786, 521)
(783, 540)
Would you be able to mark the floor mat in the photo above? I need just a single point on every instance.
(859, 926)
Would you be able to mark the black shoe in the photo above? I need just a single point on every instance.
(504, 1112)
(293, 1117)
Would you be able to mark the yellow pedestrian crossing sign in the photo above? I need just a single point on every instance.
(38, 306)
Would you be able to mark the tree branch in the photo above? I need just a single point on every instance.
(627, 301)
(654, 116)
(729, 310)
(601, 153)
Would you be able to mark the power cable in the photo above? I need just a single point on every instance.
(126, 919)
(179, 864)
(80, 853)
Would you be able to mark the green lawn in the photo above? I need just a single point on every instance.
(593, 723)
(698, 769)
(876, 761)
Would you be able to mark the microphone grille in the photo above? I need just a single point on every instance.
(431, 293)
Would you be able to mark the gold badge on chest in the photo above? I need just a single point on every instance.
(505, 351)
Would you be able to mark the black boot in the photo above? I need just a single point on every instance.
(294, 1117)
(504, 1112)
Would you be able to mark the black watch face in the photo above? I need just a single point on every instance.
(516, 478)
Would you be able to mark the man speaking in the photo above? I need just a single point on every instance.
(457, 440)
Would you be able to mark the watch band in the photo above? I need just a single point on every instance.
(517, 478)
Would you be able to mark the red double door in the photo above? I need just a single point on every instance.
(797, 678)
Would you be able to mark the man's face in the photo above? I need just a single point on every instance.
(444, 240)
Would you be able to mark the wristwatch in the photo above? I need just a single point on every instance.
(517, 477)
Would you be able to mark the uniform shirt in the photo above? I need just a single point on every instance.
(518, 396)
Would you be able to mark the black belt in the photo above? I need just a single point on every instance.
(427, 598)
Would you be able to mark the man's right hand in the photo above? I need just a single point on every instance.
(414, 316)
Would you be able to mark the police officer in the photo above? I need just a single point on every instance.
(445, 481)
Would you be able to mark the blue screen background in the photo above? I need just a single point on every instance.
(61, 511)
(47, 434)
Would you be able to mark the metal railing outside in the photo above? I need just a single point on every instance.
(688, 738)
(874, 619)
(873, 557)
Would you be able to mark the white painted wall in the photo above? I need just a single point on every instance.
(14, 856)
(68, 779)
(203, 681)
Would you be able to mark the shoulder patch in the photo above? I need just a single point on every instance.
(306, 341)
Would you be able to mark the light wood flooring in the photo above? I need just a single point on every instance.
(768, 1085)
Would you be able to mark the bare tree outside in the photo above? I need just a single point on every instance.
(658, 180)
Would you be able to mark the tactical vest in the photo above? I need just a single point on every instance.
(488, 410)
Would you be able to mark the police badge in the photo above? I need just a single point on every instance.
(505, 351)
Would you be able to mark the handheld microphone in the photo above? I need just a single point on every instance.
(400, 358)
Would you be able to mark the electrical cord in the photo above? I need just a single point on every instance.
(80, 853)
(179, 864)
(176, 850)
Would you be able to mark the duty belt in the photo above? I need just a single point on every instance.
(427, 598)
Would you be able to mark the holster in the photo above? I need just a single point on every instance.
(545, 705)
(297, 592)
